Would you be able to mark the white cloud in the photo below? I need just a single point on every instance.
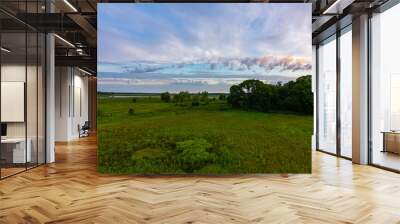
(237, 30)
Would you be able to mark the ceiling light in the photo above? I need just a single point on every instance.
(65, 41)
(338, 6)
(79, 51)
(86, 72)
(70, 5)
(5, 50)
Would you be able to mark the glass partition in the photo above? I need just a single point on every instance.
(31, 99)
(346, 93)
(385, 89)
(13, 114)
(327, 96)
(22, 78)
(41, 97)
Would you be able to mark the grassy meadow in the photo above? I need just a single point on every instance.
(142, 134)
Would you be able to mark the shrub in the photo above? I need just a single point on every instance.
(222, 97)
(150, 160)
(134, 100)
(195, 100)
(182, 98)
(204, 97)
(165, 97)
(227, 156)
(131, 111)
(212, 169)
(194, 154)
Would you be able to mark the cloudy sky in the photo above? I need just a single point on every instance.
(197, 47)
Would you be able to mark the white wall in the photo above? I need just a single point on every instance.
(71, 102)
(80, 109)
(17, 73)
(9, 73)
(13, 100)
(62, 82)
(314, 88)
(14, 73)
(33, 126)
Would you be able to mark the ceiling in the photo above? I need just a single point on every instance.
(75, 22)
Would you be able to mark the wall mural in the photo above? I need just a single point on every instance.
(204, 88)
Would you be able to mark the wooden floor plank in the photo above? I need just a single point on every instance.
(71, 191)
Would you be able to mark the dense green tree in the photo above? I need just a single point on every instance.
(293, 96)
(236, 96)
(299, 96)
(250, 88)
(166, 97)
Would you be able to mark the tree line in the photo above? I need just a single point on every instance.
(185, 98)
(295, 96)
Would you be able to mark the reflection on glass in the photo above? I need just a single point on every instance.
(346, 94)
(327, 97)
(394, 102)
(385, 93)
(22, 91)
(31, 100)
(14, 153)
(41, 98)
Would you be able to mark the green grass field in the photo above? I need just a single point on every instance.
(163, 138)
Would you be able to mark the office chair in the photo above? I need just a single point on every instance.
(84, 130)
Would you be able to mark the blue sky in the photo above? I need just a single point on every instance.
(196, 47)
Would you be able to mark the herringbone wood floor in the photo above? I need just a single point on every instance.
(70, 191)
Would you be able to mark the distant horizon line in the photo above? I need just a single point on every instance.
(154, 93)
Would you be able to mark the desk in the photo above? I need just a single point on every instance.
(391, 141)
(15, 148)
